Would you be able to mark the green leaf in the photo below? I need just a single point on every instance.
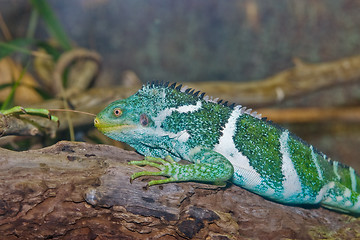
(17, 45)
(53, 25)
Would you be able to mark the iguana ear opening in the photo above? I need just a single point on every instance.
(144, 120)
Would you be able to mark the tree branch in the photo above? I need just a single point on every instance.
(82, 191)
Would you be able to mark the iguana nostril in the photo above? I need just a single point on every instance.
(96, 121)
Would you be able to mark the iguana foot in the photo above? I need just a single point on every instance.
(200, 172)
(166, 168)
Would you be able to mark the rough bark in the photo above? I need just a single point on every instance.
(82, 191)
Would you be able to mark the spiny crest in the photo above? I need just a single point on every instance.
(201, 96)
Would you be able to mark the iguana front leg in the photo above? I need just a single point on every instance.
(208, 166)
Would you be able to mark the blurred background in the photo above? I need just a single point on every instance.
(238, 40)
(197, 41)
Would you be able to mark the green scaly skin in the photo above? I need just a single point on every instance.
(225, 143)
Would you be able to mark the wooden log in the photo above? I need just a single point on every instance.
(77, 190)
(302, 79)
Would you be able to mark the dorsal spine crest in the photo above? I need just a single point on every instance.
(201, 96)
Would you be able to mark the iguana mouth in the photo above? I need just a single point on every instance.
(106, 127)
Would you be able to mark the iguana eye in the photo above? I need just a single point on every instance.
(144, 120)
(117, 112)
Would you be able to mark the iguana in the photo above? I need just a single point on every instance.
(167, 123)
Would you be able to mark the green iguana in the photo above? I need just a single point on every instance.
(225, 143)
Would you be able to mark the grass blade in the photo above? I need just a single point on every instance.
(54, 27)
(16, 45)
(34, 17)
(5, 85)
(10, 98)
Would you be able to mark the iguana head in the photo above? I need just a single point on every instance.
(137, 117)
(126, 117)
